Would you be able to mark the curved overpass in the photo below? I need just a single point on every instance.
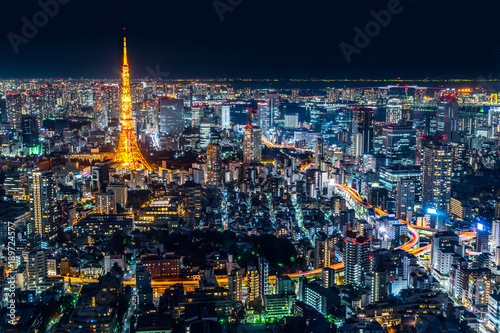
(414, 230)
(415, 236)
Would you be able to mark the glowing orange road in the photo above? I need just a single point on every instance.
(339, 266)
(272, 145)
(305, 166)
(191, 284)
(415, 239)
(413, 229)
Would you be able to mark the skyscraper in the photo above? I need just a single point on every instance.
(436, 181)
(252, 284)
(319, 153)
(399, 143)
(362, 123)
(405, 198)
(128, 154)
(235, 285)
(252, 145)
(4, 118)
(14, 109)
(226, 117)
(213, 165)
(42, 186)
(357, 262)
(29, 130)
(263, 276)
(447, 117)
(264, 117)
(273, 102)
(171, 115)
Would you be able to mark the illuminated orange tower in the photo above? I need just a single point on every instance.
(128, 153)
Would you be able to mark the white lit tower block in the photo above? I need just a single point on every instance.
(226, 117)
(235, 285)
(436, 177)
(263, 276)
(357, 260)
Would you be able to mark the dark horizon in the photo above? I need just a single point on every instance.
(256, 40)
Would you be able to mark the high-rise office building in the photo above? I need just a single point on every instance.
(482, 237)
(405, 198)
(273, 102)
(264, 118)
(226, 117)
(292, 121)
(362, 123)
(319, 153)
(357, 262)
(399, 143)
(14, 109)
(235, 285)
(205, 131)
(214, 164)
(42, 186)
(447, 116)
(436, 182)
(143, 285)
(171, 115)
(263, 276)
(357, 145)
(4, 117)
(29, 131)
(252, 145)
(99, 177)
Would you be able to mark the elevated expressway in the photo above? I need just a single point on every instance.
(413, 245)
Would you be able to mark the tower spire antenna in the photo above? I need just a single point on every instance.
(125, 60)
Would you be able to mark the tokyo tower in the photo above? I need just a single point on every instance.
(128, 154)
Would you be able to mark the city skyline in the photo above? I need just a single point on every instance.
(248, 166)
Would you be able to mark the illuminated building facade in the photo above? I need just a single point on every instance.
(252, 145)
(42, 186)
(171, 115)
(399, 143)
(357, 263)
(436, 184)
(214, 164)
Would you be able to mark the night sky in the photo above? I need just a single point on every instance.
(257, 39)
